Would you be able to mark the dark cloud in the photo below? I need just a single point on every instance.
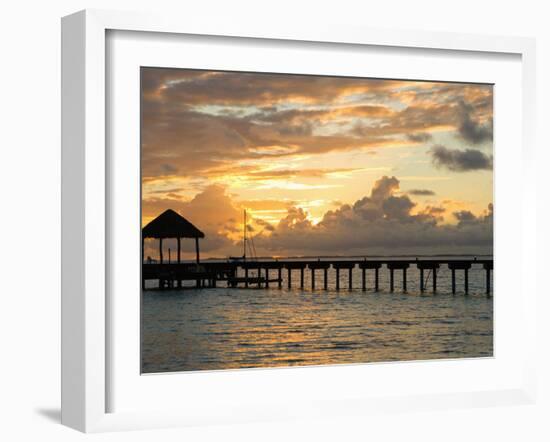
(420, 137)
(471, 130)
(460, 160)
(421, 192)
(465, 216)
(264, 224)
(250, 88)
(434, 212)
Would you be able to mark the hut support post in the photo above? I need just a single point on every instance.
(337, 278)
(197, 250)
(363, 279)
(488, 281)
(404, 279)
(350, 278)
(160, 250)
(246, 277)
(376, 279)
(391, 280)
(435, 279)
(179, 258)
(466, 281)
(326, 279)
(280, 276)
(301, 277)
(289, 278)
(267, 277)
(421, 279)
(259, 277)
(312, 279)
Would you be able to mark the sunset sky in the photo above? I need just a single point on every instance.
(323, 165)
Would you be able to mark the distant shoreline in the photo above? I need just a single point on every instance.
(309, 257)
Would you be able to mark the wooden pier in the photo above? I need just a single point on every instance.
(261, 273)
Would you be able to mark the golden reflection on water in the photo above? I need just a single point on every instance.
(223, 328)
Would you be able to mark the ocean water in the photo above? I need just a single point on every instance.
(225, 328)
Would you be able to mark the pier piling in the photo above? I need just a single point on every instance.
(453, 281)
(257, 273)
(488, 267)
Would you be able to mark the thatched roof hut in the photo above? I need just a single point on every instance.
(170, 224)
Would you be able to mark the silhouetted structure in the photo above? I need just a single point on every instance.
(213, 272)
(170, 224)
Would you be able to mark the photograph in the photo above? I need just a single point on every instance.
(292, 220)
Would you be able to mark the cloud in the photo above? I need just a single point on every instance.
(420, 137)
(199, 122)
(383, 222)
(294, 173)
(267, 204)
(460, 160)
(470, 129)
(421, 192)
(211, 210)
(249, 88)
(465, 216)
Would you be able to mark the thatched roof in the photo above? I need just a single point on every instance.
(170, 224)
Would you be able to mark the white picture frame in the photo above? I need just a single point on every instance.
(85, 202)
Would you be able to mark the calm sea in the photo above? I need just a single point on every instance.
(222, 328)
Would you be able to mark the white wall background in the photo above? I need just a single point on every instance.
(30, 215)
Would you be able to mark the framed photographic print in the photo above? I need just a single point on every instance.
(293, 238)
(272, 223)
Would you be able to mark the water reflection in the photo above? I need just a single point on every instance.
(224, 328)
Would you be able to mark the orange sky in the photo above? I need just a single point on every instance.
(323, 165)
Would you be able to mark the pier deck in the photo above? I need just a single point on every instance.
(210, 273)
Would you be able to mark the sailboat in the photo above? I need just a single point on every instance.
(246, 280)
(245, 243)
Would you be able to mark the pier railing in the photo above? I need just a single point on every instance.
(209, 274)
